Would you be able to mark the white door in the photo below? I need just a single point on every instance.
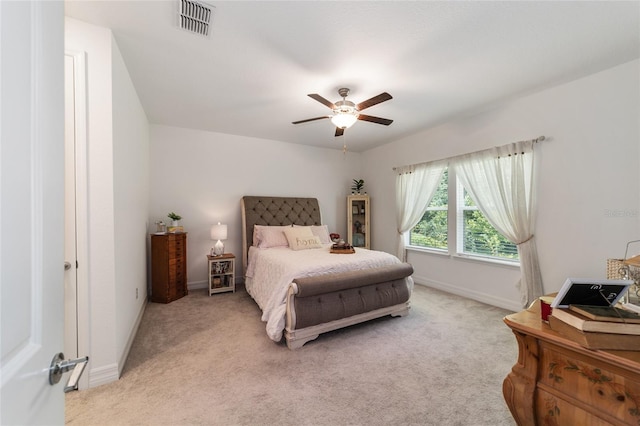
(70, 259)
(31, 209)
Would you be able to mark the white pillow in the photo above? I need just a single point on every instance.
(269, 236)
(320, 231)
(301, 238)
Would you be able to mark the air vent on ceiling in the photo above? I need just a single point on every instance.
(195, 16)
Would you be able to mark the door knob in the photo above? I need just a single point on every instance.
(67, 266)
(59, 366)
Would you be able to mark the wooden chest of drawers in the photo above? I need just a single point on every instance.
(168, 267)
(558, 382)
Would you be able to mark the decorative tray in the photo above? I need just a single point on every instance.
(345, 249)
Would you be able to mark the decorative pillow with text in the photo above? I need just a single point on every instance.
(301, 238)
(320, 231)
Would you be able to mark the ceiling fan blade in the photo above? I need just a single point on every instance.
(373, 101)
(310, 119)
(339, 131)
(322, 100)
(378, 120)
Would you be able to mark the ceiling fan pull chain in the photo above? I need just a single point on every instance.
(344, 144)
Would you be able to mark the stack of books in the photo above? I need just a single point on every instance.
(598, 327)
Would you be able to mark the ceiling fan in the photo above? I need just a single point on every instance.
(346, 113)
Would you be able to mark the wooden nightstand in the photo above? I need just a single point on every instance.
(222, 273)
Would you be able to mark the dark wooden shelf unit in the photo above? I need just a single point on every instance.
(168, 267)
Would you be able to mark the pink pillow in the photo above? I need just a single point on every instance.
(269, 236)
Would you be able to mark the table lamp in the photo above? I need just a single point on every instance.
(218, 232)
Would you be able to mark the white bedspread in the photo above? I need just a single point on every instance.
(270, 271)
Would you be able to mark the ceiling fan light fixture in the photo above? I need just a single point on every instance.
(345, 114)
(344, 120)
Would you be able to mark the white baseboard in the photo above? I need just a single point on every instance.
(469, 294)
(103, 375)
(196, 285)
(132, 337)
(111, 373)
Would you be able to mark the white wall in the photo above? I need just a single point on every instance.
(203, 175)
(117, 161)
(96, 42)
(131, 205)
(589, 186)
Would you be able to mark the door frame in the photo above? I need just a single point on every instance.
(82, 221)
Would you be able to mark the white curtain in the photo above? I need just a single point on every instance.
(501, 183)
(415, 186)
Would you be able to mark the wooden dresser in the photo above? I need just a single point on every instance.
(558, 382)
(168, 267)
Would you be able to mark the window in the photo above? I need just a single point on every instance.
(431, 231)
(479, 237)
(474, 234)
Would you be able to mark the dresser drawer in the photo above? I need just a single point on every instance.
(594, 385)
(176, 245)
(553, 410)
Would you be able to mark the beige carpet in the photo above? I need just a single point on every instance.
(207, 361)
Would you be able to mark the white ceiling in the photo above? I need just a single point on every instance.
(439, 60)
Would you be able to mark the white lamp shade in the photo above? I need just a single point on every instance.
(344, 120)
(219, 232)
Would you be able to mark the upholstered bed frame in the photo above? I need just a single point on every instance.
(327, 302)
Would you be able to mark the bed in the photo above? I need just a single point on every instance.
(302, 288)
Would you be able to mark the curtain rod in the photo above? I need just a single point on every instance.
(536, 140)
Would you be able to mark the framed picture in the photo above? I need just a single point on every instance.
(581, 291)
(354, 210)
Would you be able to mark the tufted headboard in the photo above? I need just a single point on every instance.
(275, 211)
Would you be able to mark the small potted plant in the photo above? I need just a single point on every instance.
(174, 218)
(357, 186)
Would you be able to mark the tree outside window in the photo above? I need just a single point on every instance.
(480, 237)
